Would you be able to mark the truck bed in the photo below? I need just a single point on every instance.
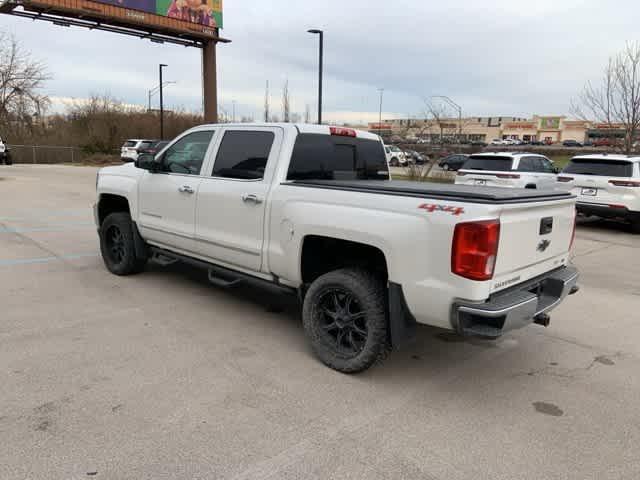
(462, 193)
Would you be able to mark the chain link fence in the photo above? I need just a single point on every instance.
(46, 154)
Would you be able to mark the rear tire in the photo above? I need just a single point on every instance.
(345, 319)
(117, 245)
(635, 225)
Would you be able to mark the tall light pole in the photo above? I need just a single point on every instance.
(161, 66)
(381, 90)
(320, 61)
(457, 107)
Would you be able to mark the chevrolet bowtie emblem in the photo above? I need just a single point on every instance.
(543, 245)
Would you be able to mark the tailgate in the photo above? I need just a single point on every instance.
(534, 238)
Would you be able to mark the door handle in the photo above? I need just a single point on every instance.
(186, 189)
(251, 198)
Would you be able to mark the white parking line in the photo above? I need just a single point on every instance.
(59, 258)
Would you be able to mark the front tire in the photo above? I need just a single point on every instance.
(117, 245)
(345, 319)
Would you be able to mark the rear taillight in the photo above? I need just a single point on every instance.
(565, 179)
(507, 175)
(474, 249)
(624, 183)
(342, 132)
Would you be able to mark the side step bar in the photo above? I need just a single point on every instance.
(217, 275)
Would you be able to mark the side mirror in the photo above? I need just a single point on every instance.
(556, 170)
(147, 161)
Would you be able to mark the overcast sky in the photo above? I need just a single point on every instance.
(493, 57)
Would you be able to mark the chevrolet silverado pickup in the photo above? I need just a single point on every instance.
(312, 210)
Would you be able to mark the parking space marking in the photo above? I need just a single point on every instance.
(35, 260)
(50, 228)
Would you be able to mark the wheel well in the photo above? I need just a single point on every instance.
(111, 203)
(321, 255)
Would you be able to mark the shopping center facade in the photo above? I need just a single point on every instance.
(548, 129)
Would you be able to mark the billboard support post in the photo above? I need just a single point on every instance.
(210, 82)
(161, 104)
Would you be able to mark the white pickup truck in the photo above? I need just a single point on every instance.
(311, 210)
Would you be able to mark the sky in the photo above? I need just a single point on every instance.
(492, 57)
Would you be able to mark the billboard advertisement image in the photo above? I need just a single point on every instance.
(202, 12)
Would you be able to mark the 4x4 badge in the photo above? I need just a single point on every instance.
(543, 245)
(430, 207)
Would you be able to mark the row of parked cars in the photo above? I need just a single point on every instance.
(606, 185)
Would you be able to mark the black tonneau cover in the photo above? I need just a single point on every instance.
(462, 193)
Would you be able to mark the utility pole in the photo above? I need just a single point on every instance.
(233, 106)
(161, 66)
(266, 103)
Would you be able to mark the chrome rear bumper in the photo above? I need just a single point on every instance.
(517, 306)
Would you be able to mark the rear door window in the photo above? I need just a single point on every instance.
(243, 154)
(491, 163)
(528, 164)
(593, 166)
(331, 157)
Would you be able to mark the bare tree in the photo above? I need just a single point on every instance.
(615, 102)
(286, 107)
(266, 103)
(21, 78)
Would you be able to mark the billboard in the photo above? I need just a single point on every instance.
(192, 19)
(202, 12)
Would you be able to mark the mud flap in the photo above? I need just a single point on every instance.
(402, 324)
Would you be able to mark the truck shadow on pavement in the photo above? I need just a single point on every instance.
(432, 350)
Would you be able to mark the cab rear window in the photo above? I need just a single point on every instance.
(331, 157)
(606, 168)
(491, 163)
(130, 143)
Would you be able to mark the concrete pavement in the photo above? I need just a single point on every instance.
(162, 375)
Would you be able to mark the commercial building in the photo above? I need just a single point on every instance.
(548, 129)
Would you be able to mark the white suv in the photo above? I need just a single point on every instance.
(606, 185)
(395, 156)
(508, 169)
(129, 151)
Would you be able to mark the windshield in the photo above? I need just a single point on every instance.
(395, 149)
(331, 157)
(492, 163)
(594, 166)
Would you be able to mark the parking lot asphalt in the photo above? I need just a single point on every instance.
(163, 376)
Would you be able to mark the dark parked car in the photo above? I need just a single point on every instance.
(478, 143)
(152, 147)
(453, 162)
(415, 157)
(571, 143)
(537, 142)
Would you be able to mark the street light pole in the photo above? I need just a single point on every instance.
(320, 68)
(381, 90)
(161, 103)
